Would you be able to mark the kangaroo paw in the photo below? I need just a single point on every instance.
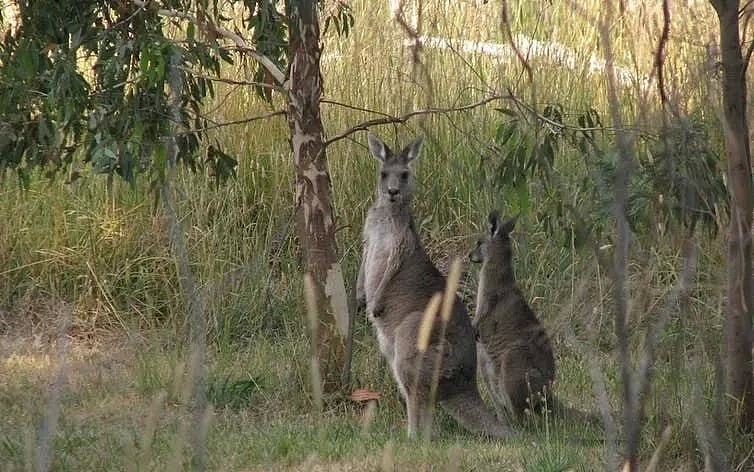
(376, 309)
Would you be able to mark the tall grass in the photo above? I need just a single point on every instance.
(107, 256)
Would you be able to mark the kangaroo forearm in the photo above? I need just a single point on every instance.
(375, 305)
(392, 266)
(482, 308)
(377, 298)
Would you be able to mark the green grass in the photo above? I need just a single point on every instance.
(70, 254)
(109, 403)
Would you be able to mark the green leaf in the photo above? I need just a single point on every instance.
(524, 199)
(508, 112)
(160, 158)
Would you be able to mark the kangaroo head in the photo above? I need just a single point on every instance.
(495, 245)
(395, 184)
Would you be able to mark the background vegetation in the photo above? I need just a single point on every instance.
(93, 321)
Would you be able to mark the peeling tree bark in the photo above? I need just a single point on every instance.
(315, 221)
(11, 15)
(737, 336)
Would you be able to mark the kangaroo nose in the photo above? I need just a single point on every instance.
(392, 191)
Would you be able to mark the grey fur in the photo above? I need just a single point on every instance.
(396, 281)
(514, 351)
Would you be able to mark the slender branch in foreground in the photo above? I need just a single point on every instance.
(364, 126)
(504, 21)
(680, 288)
(387, 118)
(413, 31)
(241, 43)
(745, 14)
(626, 162)
(353, 107)
(226, 80)
(193, 296)
(664, 438)
(596, 374)
(599, 387)
(707, 429)
(44, 445)
(660, 55)
(522, 106)
(747, 58)
(597, 377)
(234, 122)
(631, 419)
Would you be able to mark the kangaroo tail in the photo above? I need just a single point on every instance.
(468, 409)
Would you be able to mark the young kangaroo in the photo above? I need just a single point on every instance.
(513, 348)
(396, 281)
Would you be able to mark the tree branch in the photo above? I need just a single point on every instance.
(364, 126)
(234, 122)
(626, 160)
(413, 33)
(241, 44)
(747, 59)
(193, 296)
(522, 106)
(602, 398)
(660, 56)
(232, 81)
(679, 289)
(505, 22)
(743, 9)
(353, 107)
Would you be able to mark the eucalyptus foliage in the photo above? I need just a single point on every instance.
(678, 178)
(108, 82)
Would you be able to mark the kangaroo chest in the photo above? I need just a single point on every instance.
(383, 237)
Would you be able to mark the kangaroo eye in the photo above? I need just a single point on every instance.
(383, 175)
(404, 175)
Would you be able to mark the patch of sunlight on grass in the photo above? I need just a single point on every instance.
(23, 364)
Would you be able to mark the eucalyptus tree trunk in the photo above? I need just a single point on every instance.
(737, 336)
(315, 220)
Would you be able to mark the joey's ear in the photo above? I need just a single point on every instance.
(413, 150)
(494, 220)
(508, 225)
(379, 150)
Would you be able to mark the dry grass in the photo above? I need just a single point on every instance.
(105, 259)
(116, 393)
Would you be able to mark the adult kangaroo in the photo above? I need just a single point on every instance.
(396, 282)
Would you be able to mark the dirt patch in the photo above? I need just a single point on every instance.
(40, 342)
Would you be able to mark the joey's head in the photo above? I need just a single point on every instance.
(494, 246)
(395, 183)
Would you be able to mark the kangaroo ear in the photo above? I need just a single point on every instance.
(494, 220)
(508, 225)
(413, 150)
(379, 150)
